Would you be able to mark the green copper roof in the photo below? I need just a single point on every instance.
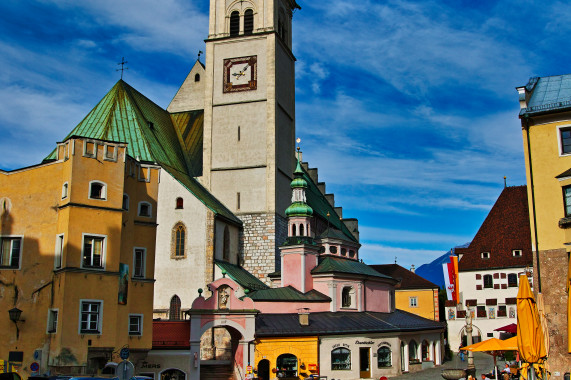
(321, 207)
(299, 209)
(244, 278)
(330, 264)
(289, 293)
(190, 128)
(125, 115)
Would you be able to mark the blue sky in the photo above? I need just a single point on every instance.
(408, 108)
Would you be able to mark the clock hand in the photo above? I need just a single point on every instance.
(238, 75)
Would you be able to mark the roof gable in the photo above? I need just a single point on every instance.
(505, 228)
(408, 279)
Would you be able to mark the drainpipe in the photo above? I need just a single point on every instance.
(525, 125)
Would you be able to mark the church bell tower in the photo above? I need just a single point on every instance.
(249, 120)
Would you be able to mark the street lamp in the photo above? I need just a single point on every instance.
(471, 370)
(15, 314)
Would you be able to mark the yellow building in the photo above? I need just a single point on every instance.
(296, 357)
(414, 293)
(77, 257)
(546, 126)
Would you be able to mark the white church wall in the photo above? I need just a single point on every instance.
(190, 96)
(180, 276)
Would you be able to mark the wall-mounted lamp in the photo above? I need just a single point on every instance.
(15, 314)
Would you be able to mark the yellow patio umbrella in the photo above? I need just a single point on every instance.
(543, 319)
(530, 340)
(493, 347)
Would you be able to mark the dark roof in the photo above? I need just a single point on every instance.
(330, 264)
(152, 135)
(244, 278)
(288, 293)
(548, 94)
(333, 233)
(408, 279)
(505, 228)
(171, 334)
(566, 173)
(343, 322)
(321, 207)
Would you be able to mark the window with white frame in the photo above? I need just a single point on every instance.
(516, 252)
(52, 321)
(64, 190)
(139, 257)
(145, 209)
(565, 140)
(413, 301)
(59, 251)
(347, 296)
(97, 190)
(90, 316)
(485, 255)
(135, 324)
(93, 251)
(10, 252)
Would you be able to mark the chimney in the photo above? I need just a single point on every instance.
(303, 316)
(412, 268)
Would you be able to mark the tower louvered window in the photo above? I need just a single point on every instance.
(248, 22)
(234, 23)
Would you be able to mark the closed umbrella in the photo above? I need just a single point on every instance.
(530, 340)
(543, 319)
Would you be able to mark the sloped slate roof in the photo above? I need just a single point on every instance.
(244, 278)
(408, 279)
(336, 323)
(549, 94)
(288, 293)
(505, 228)
(329, 264)
(321, 207)
(125, 115)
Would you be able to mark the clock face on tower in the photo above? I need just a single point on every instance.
(240, 74)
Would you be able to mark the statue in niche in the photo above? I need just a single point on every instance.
(223, 295)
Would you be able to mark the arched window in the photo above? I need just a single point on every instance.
(425, 351)
(178, 243)
(286, 365)
(346, 296)
(293, 230)
(174, 309)
(412, 350)
(340, 359)
(226, 247)
(488, 281)
(234, 23)
(179, 203)
(343, 252)
(301, 230)
(248, 22)
(197, 77)
(173, 374)
(97, 190)
(384, 357)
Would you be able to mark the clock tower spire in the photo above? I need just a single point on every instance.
(249, 120)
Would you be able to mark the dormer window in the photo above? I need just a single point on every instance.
(485, 255)
(234, 23)
(516, 252)
(97, 190)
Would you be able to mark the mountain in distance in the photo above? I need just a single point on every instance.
(433, 270)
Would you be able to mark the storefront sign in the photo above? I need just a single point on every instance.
(364, 342)
(341, 345)
(150, 365)
(383, 344)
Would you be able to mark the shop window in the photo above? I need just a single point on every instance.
(340, 359)
(286, 365)
(172, 374)
(413, 351)
(174, 309)
(384, 357)
(425, 351)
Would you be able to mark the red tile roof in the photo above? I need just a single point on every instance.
(506, 228)
(408, 279)
(171, 334)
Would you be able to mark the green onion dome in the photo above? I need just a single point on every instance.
(298, 182)
(299, 209)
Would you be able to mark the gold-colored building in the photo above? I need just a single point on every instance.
(413, 293)
(546, 127)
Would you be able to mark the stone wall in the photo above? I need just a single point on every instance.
(553, 266)
(261, 237)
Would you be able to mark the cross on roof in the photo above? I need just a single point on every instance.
(122, 63)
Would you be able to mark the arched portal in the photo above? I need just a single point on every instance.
(264, 369)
